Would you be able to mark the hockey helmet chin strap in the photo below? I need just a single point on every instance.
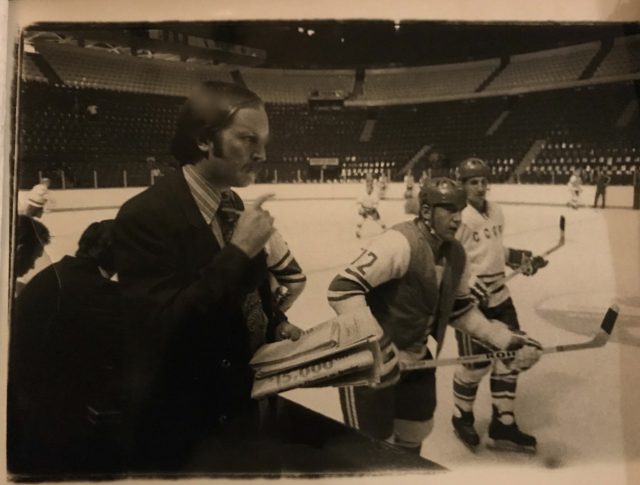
(427, 220)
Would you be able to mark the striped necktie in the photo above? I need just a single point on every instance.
(252, 306)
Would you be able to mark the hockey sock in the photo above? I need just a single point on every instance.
(503, 392)
(465, 386)
(464, 393)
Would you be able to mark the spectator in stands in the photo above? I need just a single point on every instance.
(31, 238)
(197, 281)
(602, 180)
(64, 378)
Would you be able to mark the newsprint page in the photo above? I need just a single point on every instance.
(340, 242)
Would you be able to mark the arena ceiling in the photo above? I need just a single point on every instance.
(349, 44)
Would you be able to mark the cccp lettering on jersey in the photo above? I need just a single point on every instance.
(493, 231)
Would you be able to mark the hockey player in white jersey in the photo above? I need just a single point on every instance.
(409, 183)
(414, 279)
(368, 208)
(481, 235)
(383, 183)
(575, 188)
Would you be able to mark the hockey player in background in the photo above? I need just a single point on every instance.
(481, 235)
(414, 279)
(368, 208)
(575, 188)
(383, 182)
(424, 178)
(409, 182)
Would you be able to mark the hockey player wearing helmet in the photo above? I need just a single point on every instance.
(368, 209)
(414, 279)
(481, 235)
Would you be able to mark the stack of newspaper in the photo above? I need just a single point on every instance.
(343, 351)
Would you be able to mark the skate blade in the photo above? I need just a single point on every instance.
(504, 445)
(469, 446)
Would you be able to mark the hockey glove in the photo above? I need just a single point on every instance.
(479, 291)
(528, 352)
(534, 264)
(522, 258)
(390, 364)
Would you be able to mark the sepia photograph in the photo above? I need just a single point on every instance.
(372, 246)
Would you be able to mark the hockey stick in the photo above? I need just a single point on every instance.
(500, 282)
(600, 339)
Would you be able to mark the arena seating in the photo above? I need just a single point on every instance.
(116, 110)
(426, 82)
(624, 58)
(101, 69)
(30, 70)
(585, 134)
(546, 67)
(294, 86)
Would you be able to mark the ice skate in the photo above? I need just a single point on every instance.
(509, 437)
(464, 430)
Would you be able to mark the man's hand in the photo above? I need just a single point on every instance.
(254, 227)
(286, 330)
(528, 353)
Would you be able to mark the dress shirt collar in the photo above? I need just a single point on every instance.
(206, 196)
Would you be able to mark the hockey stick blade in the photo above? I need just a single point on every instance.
(498, 283)
(599, 340)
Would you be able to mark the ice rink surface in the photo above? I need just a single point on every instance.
(583, 407)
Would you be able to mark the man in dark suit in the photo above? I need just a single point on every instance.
(65, 368)
(602, 181)
(191, 262)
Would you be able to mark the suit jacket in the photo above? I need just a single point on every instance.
(189, 343)
(65, 360)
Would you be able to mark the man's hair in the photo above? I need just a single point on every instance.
(96, 242)
(209, 109)
(31, 236)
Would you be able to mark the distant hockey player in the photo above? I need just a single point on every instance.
(481, 235)
(409, 182)
(368, 209)
(414, 279)
(383, 183)
(424, 178)
(575, 188)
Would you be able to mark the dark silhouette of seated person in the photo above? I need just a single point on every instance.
(64, 397)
